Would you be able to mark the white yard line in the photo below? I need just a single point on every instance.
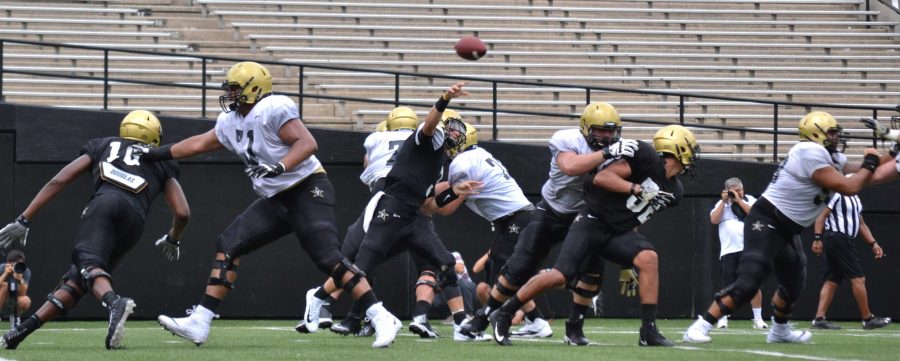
(766, 353)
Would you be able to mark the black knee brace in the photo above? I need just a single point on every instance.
(508, 292)
(223, 266)
(736, 297)
(63, 286)
(448, 276)
(788, 310)
(429, 283)
(512, 277)
(89, 274)
(589, 279)
(338, 274)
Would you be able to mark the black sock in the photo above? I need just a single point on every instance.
(648, 313)
(421, 308)
(512, 305)
(355, 309)
(709, 318)
(459, 317)
(780, 319)
(330, 300)
(31, 323)
(367, 300)
(819, 319)
(321, 294)
(577, 313)
(210, 303)
(534, 314)
(492, 305)
(108, 299)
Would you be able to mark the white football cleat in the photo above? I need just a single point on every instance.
(386, 325)
(311, 313)
(784, 333)
(194, 328)
(533, 329)
(698, 332)
(461, 337)
(759, 324)
(723, 322)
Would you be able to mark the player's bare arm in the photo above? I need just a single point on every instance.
(434, 116)
(198, 144)
(302, 143)
(59, 182)
(613, 178)
(181, 212)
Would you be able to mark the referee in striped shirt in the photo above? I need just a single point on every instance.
(842, 221)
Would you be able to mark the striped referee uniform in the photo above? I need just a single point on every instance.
(841, 228)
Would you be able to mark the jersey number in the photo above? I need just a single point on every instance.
(129, 158)
(392, 147)
(496, 163)
(249, 157)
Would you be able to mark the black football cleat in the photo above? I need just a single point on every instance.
(501, 321)
(476, 325)
(575, 334)
(650, 336)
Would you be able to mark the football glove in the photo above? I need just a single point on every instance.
(628, 282)
(622, 148)
(15, 232)
(880, 130)
(265, 170)
(662, 199)
(170, 247)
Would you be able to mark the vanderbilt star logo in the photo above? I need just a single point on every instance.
(317, 193)
(382, 214)
(757, 226)
(513, 229)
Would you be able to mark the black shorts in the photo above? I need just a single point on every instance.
(506, 235)
(110, 227)
(771, 243)
(589, 236)
(546, 229)
(729, 264)
(841, 257)
(397, 224)
(306, 209)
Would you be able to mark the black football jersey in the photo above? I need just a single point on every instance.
(417, 167)
(115, 169)
(623, 211)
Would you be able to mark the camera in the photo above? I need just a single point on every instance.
(731, 195)
(20, 267)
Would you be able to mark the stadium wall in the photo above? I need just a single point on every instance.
(35, 142)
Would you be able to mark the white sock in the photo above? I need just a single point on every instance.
(204, 313)
(757, 313)
(374, 310)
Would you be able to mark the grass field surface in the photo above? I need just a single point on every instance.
(612, 339)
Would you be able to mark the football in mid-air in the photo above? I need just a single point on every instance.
(470, 48)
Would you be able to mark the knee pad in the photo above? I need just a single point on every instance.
(90, 274)
(584, 292)
(448, 276)
(426, 282)
(223, 266)
(338, 274)
(737, 296)
(65, 287)
(512, 276)
(506, 291)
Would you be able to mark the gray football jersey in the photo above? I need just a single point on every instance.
(255, 140)
(792, 190)
(562, 192)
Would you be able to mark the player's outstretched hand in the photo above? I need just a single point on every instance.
(16, 232)
(456, 90)
(468, 187)
(881, 131)
(171, 247)
(622, 148)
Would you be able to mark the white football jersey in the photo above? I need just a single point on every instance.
(501, 195)
(380, 149)
(255, 140)
(792, 190)
(562, 192)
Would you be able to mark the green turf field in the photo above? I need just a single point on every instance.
(614, 339)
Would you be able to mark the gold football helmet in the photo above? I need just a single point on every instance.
(680, 143)
(246, 83)
(382, 126)
(815, 127)
(466, 141)
(604, 116)
(450, 113)
(142, 126)
(402, 118)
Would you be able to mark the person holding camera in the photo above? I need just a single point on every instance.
(729, 214)
(14, 286)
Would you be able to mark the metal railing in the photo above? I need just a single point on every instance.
(397, 76)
